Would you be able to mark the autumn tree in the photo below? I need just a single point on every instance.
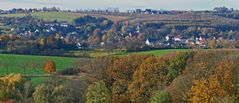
(200, 67)
(51, 42)
(42, 42)
(14, 88)
(218, 86)
(50, 92)
(148, 77)
(110, 40)
(95, 38)
(207, 90)
(121, 71)
(225, 43)
(212, 44)
(9, 86)
(50, 66)
(56, 90)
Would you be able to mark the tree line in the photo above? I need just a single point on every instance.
(193, 76)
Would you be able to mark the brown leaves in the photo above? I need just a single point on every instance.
(50, 66)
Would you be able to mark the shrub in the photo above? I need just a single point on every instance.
(98, 93)
(13, 88)
(161, 97)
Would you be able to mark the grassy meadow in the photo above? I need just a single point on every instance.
(60, 16)
(64, 16)
(152, 52)
(26, 64)
(33, 65)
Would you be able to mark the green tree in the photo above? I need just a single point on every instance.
(98, 93)
(60, 91)
(178, 64)
(162, 97)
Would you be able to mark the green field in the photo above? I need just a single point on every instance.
(33, 65)
(14, 15)
(63, 16)
(152, 52)
(60, 16)
(26, 64)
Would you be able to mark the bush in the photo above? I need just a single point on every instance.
(69, 71)
(14, 88)
(60, 91)
(98, 93)
(161, 97)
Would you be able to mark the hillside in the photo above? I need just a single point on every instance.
(65, 16)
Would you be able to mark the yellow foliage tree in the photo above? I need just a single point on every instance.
(220, 85)
(11, 79)
(207, 90)
(50, 66)
(10, 87)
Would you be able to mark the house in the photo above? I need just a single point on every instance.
(152, 42)
(78, 45)
(64, 24)
(147, 42)
(191, 42)
(203, 43)
(177, 39)
(167, 38)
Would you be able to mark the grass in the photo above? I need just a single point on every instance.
(26, 64)
(152, 52)
(100, 52)
(60, 16)
(63, 16)
(32, 64)
(14, 15)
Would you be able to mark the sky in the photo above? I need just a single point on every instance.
(123, 5)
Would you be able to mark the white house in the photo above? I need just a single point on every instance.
(177, 39)
(147, 42)
(79, 46)
(167, 38)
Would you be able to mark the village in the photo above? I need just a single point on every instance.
(110, 29)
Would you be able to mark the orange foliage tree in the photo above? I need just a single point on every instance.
(50, 66)
(121, 71)
(148, 77)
